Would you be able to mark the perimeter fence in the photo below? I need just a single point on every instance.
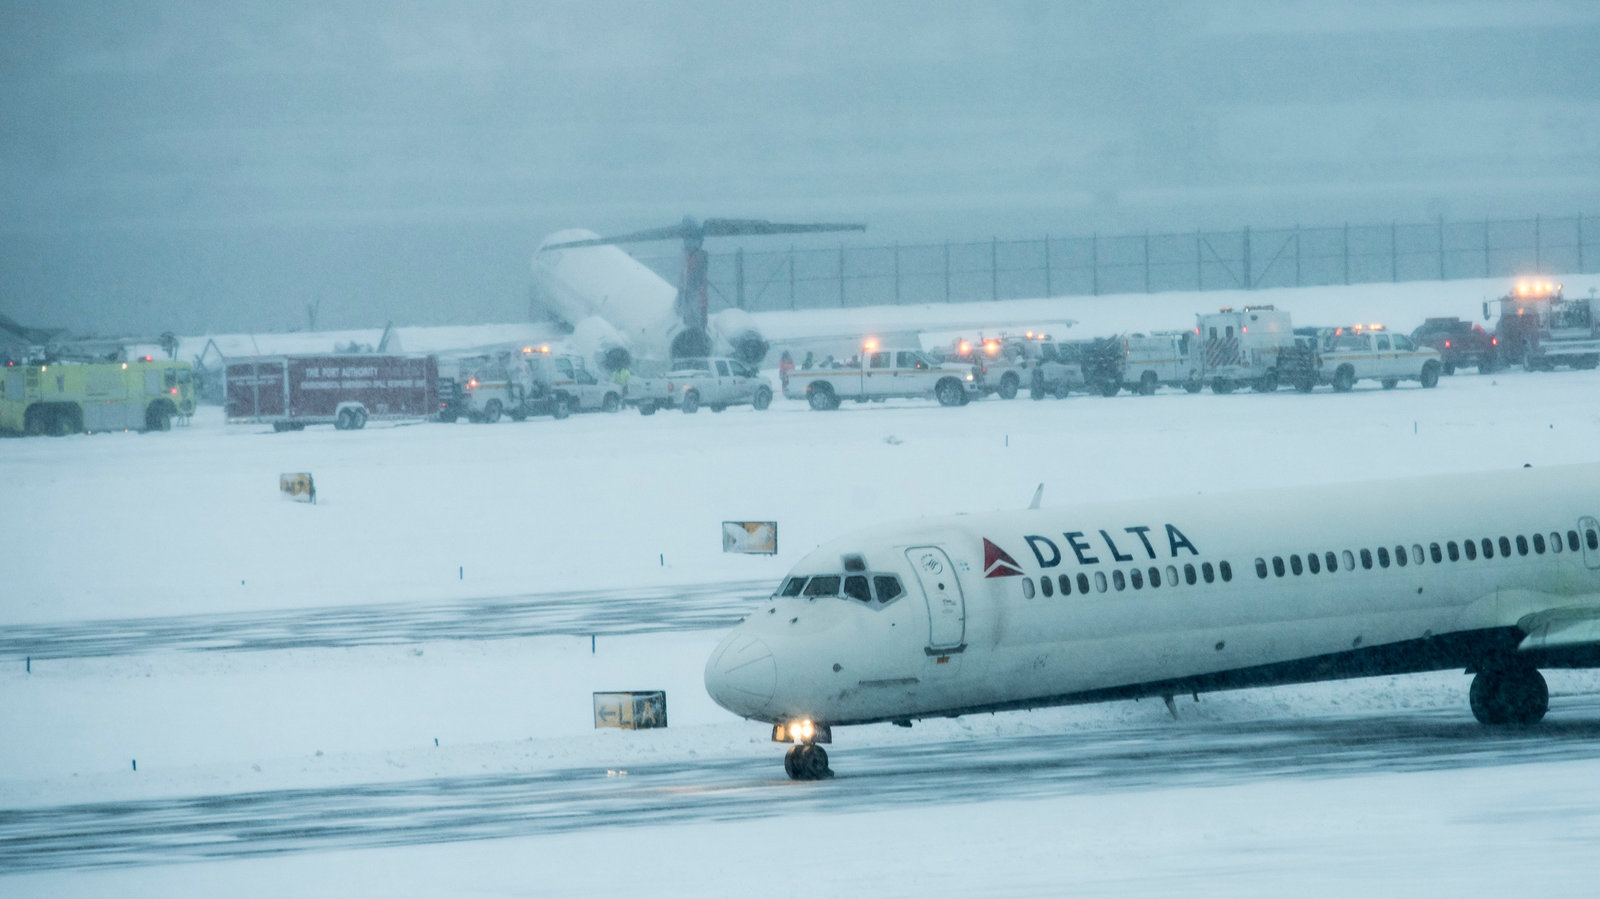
(1247, 258)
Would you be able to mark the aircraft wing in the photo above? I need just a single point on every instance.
(1561, 628)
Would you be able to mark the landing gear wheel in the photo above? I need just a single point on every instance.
(808, 761)
(948, 392)
(1515, 696)
(1008, 386)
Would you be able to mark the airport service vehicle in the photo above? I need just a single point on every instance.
(879, 374)
(1539, 328)
(72, 397)
(534, 382)
(1016, 610)
(290, 392)
(1159, 359)
(1460, 344)
(1238, 347)
(1343, 356)
(1094, 366)
(1004, 364)
(715, 383)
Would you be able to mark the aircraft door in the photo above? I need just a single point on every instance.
(1589, 534)
(947, 610)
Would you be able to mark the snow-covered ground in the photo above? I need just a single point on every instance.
(313, 769)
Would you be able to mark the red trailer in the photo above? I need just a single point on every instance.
(291, 392)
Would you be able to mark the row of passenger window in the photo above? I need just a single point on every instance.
(1415, 555)
(1136, 578)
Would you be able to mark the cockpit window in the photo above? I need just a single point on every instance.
(791, 587)
(855, 587)
(888, 587)
(826, 585)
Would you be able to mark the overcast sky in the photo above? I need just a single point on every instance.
(200, 166)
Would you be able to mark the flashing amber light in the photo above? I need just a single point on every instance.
(527, 349)
(1030, 335)
(544, 348)
(871, 345)
(991, 347)
(965, 348)
(472, 383)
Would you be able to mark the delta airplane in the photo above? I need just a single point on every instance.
(1498, 575)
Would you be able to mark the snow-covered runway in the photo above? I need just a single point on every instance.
(946, 773)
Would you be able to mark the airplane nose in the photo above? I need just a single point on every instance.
(741, 675)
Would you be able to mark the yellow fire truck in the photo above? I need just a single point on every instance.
(70, 397)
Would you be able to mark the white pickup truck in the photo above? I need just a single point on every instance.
(1343, 356)
(689, 384)
(881, 374)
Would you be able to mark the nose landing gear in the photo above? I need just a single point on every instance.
(807, 761)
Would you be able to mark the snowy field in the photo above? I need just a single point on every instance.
(388, 693)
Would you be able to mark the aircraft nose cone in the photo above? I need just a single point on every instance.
(741, 675)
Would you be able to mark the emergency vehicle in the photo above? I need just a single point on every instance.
(344, 390)
(1539, 328)
(1094, 366)
(1343, 356)
(688, 384)
(1159, 359)
(1003, 363)
(1237, 347)
(879, 374)
(71, 397)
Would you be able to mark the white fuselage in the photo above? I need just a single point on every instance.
(1166, 597)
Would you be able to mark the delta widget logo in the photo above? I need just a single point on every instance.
(997, 562)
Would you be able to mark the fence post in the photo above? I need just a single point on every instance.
(1580, 243)
(791, 277)
(738, 274)
(994, 268)
(1297, 254)
(897, 274)
(1147, 260)
(1441, 247)
(1486, 248)
(1048, 291)
(1394, 251)
(947, 271)
(841, 276)
(1538, 250)
(1199, 260)
(1094, 261)
(1347, 254)
(1245, 267)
